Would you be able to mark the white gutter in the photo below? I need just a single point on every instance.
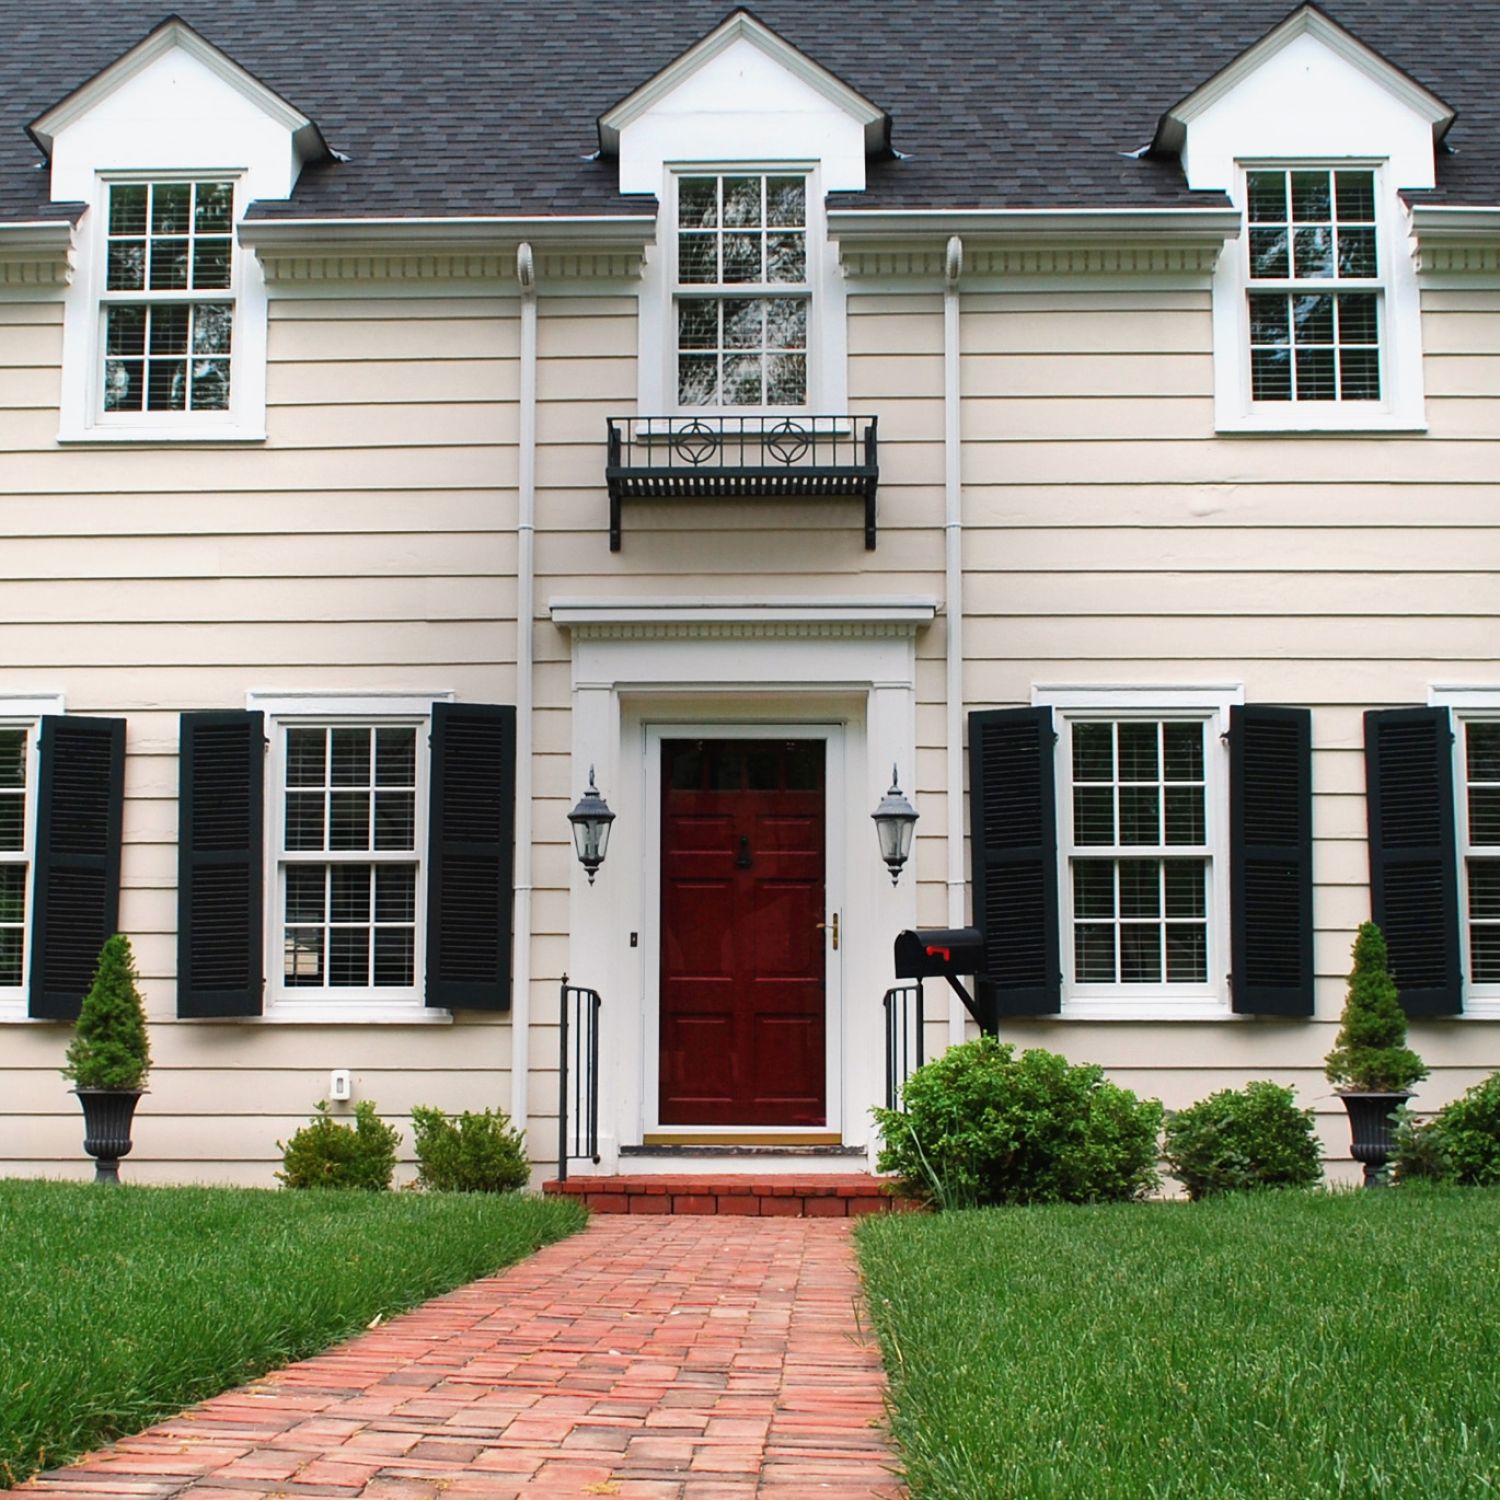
(1439, 220)
(953, 594)
(520, 1013)
(625, 230)
(37, 234)
(1163, 225)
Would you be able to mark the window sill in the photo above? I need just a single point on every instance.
(1151, 1008)
(352, 1012)
(70, 437)
(1329, 424)
(1474, 1010)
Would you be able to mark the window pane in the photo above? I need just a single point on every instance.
(1140, 815)
(125, 330)
(304, 820)
(1140, 954)
(12, 823)
(786, 380)
(1094, 953)
(213, 323)
(1093, 888)
(351, 757)
(12, 954)
(1269, 253)
(1138, 752)
(170, 203)
(1187, 954)
(786, 323)
(742, 381)
(213, 207)
(1313, 318)
(1315, 375)
(166, 385)
(698, 258)
(349, 893)
(395, 949)
(1093, 752)
(304, 756)
(127, 266)
(786, 201)
(1484, 890)
(1184, 751)
(169, 330)
(305, 889)
(211, 264)
(12, 893)
(742, 201)
(1094, 815)
(1358, 320)
(697, 323)
(1312, 252)
(1140, 888)
(1359, 375)
(396, 757)
(698, 380)
(169, 265)
(1185, 815)
(698, 202)
(395, 893)
(210, 384)
(742, 257)
(1482, 751)
(349, 820)
(1311, 199)
(1270, 319)
(744, 323)
(1484, 815)
(348, 956)
(1267, 194)
(1356, 195)
(1186, 884)
(127, 208)
(12, 757)
(1271, 374)
(786, 257)
(395, 820)
(303, 956)
(1357, 252)
(124, 384)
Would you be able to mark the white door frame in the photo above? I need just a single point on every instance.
(834, 799)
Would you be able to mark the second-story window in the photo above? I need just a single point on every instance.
(742, 292)
(168, 304)
(1314, 286)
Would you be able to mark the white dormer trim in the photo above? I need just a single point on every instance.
(177, 34)
(1308, 21)
(743, 27)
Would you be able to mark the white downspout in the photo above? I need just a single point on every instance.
(953, 551)
(520, 1014)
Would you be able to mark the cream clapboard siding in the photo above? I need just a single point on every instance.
(1113, 538)
(370, 543)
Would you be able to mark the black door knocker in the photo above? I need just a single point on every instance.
(742, 859)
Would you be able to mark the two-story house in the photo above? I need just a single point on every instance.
(408, 415)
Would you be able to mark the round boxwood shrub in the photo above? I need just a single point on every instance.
(1237, 1139)
(469, 1153)
(329, 1154)
(982, 1125)
(1459, 1144)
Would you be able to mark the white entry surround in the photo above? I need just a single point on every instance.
(644, 670)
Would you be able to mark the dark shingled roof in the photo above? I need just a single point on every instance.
(490, 107)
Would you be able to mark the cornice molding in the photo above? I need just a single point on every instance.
(663, 619)
(1457, 240)
(36, 255)
(1113, 259)
(340, 264)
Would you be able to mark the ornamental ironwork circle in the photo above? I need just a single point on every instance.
(696, 442)
(787, 441)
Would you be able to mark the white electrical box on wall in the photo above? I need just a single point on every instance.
(341, 1084)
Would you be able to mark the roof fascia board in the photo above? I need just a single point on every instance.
(1028, 224)
(630, 231)
(1308, 20)
(176, 33)
(1445, 220)
(742, 25)
(37, 234)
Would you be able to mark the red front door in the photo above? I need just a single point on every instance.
(742, 993)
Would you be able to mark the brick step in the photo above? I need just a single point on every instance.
(833, 1195)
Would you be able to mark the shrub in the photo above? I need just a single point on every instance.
(109, 1049)
(1237, 1139)
(469, 1153)
(982, 1125)
(1460, 1144)
(328, 1154)
(1370, 1054)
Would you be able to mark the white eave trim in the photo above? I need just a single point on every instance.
(1307, 21)
(1457, 239)
(633, 230)
(743, 26)
(36, 254)
(172, 34)
(614, 617)
(978, 224)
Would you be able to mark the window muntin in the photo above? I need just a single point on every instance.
(167, 337)
(1480, 763)
(1139, 868)
(16, 819)
(349, 870)
(1315, 290)
(742, 297)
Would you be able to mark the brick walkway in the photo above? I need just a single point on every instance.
(648, 1358)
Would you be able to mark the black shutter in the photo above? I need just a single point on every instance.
(471, 856)
(220, 864)
(76, 886)
(1270, 860)
(1013, 834)
(1413, 856)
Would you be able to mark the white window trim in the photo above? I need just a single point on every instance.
(827, 334)
(1400, 408)
(294, 1006)
(1211, 1000)
(26, 712)
(83, 418)
(1481, 1002)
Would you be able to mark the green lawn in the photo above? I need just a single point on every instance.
(1271, 1347)
(121, 1305)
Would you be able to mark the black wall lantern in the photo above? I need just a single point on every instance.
(895, 820)
(591, 819)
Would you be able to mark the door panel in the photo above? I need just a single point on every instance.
(743, 995)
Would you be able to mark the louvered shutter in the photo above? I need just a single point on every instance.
(471, 856)
(76, 885)
(221, 864)
(1270, 860)
(1413, 854)
(1013, 837)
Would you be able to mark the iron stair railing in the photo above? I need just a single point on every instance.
(578, 1077)
(903, 1038)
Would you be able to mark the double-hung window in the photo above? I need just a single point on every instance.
(1315, 289)
(17, 823)
(1139, 863)
(168, 301)
(742, 292)
(348, 856)
(1479, 849)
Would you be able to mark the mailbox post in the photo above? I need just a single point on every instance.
(946, 953)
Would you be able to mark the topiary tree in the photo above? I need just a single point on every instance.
(1238, 1139)
(109, 1049)
(1370, 1054)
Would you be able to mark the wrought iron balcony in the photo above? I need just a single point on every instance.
(716, 456)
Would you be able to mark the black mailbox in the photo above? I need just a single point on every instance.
(937, 952)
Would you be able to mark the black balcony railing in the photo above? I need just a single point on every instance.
(578, 1078)
(718, 456)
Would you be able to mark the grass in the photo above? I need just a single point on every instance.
(119, 1306)
(1287, 1345)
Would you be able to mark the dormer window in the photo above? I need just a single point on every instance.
(742, 290)
(1314, 284)
(168, 303)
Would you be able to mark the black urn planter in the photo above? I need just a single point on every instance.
(107, 1114)
(1372, 1127)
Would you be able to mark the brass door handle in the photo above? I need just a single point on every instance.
(833, 923)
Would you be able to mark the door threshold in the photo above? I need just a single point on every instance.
(825, 1139)
(761, 1151)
